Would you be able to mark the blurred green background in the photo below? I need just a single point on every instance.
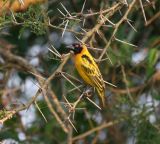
(134, 103)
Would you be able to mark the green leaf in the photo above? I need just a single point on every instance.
(147, 133)
(151, 61)
(152, 56)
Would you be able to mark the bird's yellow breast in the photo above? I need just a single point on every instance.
(78, 64)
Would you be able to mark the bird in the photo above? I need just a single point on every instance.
(88, 69)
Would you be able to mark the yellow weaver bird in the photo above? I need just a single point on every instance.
(88, 69)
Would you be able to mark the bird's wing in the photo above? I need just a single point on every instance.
(92, 72)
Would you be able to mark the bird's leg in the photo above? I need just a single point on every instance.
(88, 91)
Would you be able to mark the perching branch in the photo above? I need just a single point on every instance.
(25, 66)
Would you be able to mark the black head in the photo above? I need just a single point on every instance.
(76, 48)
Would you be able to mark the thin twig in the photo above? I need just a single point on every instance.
(40, 111)
(55, 114)
(105, 125)
(93, 103)
(110, 84)
(97, 26)
(56, 51)
(70, 82)
(144, 15)
(43, 85)
(124, 42)
(61, 12)
(126, 82)
(66, 10)
(116, 28)
(72, 124)
(83, 6)
(157, 15)
(65, 27)
(131, 25)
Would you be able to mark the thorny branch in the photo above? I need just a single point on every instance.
(102, 126)
(130, 6)
(25, 66)
(104, 17)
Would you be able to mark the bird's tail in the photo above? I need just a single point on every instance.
(101, 94)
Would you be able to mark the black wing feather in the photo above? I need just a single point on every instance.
(92, 72)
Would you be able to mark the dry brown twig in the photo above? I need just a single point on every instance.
(130, 7)
(43, 84)
(72, 107)
(98, 128)
(55, 114)
(25, 65)
(110, 11)
(157, 15)
(103, 17)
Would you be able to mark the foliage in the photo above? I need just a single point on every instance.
(34, 62)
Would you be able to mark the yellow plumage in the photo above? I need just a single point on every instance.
(88, 69)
